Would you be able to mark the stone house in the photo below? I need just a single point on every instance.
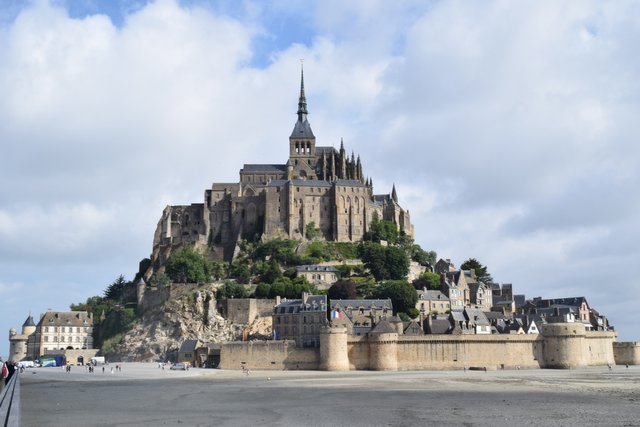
(412, 328)
(454, 284)
(323, 276)
(187, 353)
(458, 322)
(477, 321)
(579, 304)
(437, 325)
(360, 316)
(432, 302)
(444, 266)
(480, 296)
(300, 320)
(57, 332)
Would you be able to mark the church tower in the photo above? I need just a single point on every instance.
(302, 142)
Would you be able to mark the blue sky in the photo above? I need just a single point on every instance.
(510, 130)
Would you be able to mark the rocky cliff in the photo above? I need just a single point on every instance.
(189, 315)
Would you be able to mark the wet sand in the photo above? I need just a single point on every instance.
(144, 395)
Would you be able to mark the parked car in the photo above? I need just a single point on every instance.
(178, 367)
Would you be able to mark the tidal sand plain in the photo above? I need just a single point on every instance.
(144, 395)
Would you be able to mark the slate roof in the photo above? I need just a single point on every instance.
(220, 186)
(476, 316)
(292, 306)
(380, 198)
(572, 301)
(66, 318)
(29, 321)
(302, 129)
(263, 168)
(188, 346)
(299, 183)
(383, 327)
(458, 316)
(378, 304)
(439, 325)
(431, 294)
(327, 150)
(315, 268)
(494, 315)
(412, 328)
(349, 182)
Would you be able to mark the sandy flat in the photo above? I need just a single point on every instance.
(144, 395)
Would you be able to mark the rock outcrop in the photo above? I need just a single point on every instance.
(158, 334)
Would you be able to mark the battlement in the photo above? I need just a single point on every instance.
(563, 345)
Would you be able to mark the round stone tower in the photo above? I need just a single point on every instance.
(397, 324)
(28, 327)
(383, 347)
(17, 346)
(334, 355)
(564, 345)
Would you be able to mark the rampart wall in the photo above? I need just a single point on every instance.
(557, 347)
(268, 355)
(626, 353)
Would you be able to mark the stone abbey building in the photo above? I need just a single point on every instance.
(319, 187)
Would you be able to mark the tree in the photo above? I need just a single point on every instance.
(272, 273)
(262, 291)
(373, 255)
(231, 290)
(311, 232)
(397, 263)
(115, 290)
(422, 257)
(159, 279)
(402, 294)
(480, 270)
(384, 262)
(342, 289)
(239, 270)
(427, 280)
(381, 230)
(188, 265)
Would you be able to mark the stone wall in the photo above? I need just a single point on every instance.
(268, 355)
(626, 353)
(433, 352)
(557, 348)
(599, 348)
(245, 310)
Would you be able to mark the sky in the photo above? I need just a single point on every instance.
(510, 130)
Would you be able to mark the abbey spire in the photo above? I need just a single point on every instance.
(302, 101)
(302, 129)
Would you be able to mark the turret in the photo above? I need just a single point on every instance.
(334, 355)
(28, 327)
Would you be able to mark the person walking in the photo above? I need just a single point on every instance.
(11, 369)
(5, 373)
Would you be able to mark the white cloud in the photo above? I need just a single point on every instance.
(507, 129)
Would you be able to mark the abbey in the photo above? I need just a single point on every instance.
(319, 189)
